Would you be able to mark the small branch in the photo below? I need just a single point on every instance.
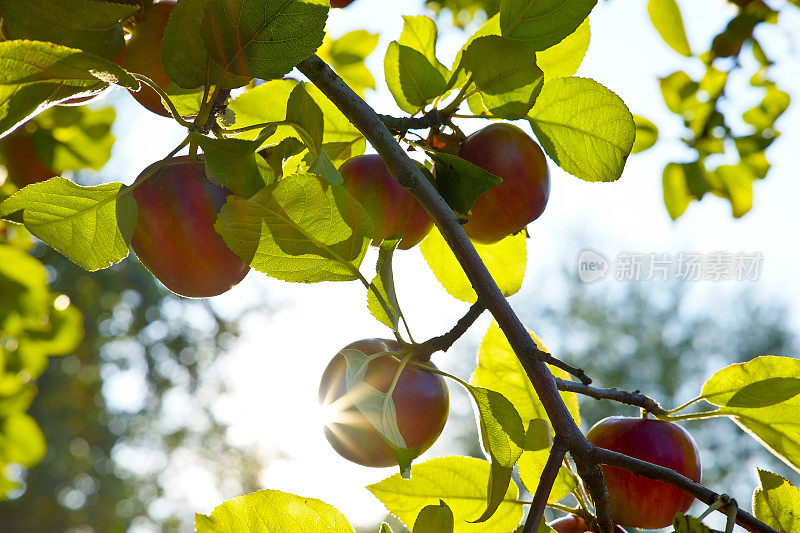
(634, 398)
(546, 481)
(596, 487)
(431, 119)
(444, 342)
(660, 473)
(558, 363)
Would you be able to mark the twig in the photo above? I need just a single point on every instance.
(546, 481)
(444, 342)
(586, 456)
(596, 487)
(558, 363)
(634, 398)
(431, 119)
(649, 470)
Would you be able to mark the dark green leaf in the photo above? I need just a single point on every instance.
(303, 111)
(257, 39)
(412, 80)
(234, 163)
(689, 524)
(420, 33)
(506, 75)
(543, 23)
(460, 182)
(87, 25)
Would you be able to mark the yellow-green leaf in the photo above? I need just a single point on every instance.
(763, 397)
(268, 511)
(646, 134)
(776, 502)
(666, 18)
(563, 59)
(460, 482)
(506, 261)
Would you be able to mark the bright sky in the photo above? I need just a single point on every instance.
(277, 365)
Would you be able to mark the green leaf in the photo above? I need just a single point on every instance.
(24, 297)
(737, 186)
(304, 112)
(183, 50)
(503, 437)
(61, 335)
(435, 519)
(460, 182)
(761, 396)
(267, 511)
(387, 309)
(412, 80)
(459, 77)
(776, 502)
(767, 112)
(74, 137)
(298, 229)
(346, 56)
(543, 23)
(506, 261)
(563, 59)
(234, 163)
(499, 369)
(585, 128)
(679, 92)
(257, 39)
(21, 440)
(689, 524)
(461, 482)
(419, 33)
(84, 24)
(666, 18)
(92, 226)
(646, 134)
(35, 75)
(186, 101)
(506, 75)
(385, 528)
(677, 195)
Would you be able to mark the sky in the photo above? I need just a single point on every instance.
(285, 346)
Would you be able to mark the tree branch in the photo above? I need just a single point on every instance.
(546, 481)
(586, 456)
(431, 119)
(652, 471)
(444, 342)
(634, 398)
(558, 363)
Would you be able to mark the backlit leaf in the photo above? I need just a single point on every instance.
(563, 59)
(92, 226)
(461, 482)
(646, 134)
(461, 182)
(506, 261)
(543, 23)
(412, 80)
(585, 128)
(776, 502)
(761, 396)
(299, 229)
(386, 308)
(267, 511)
(666, 18)
(434, 519)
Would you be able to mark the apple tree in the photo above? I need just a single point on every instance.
(271, 176)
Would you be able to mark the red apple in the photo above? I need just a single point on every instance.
(144, 54)
(575, 524)
(393, 209)
(175, 237)
(639, 501)
(506, 151)
(341, 3)
(421, 401)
